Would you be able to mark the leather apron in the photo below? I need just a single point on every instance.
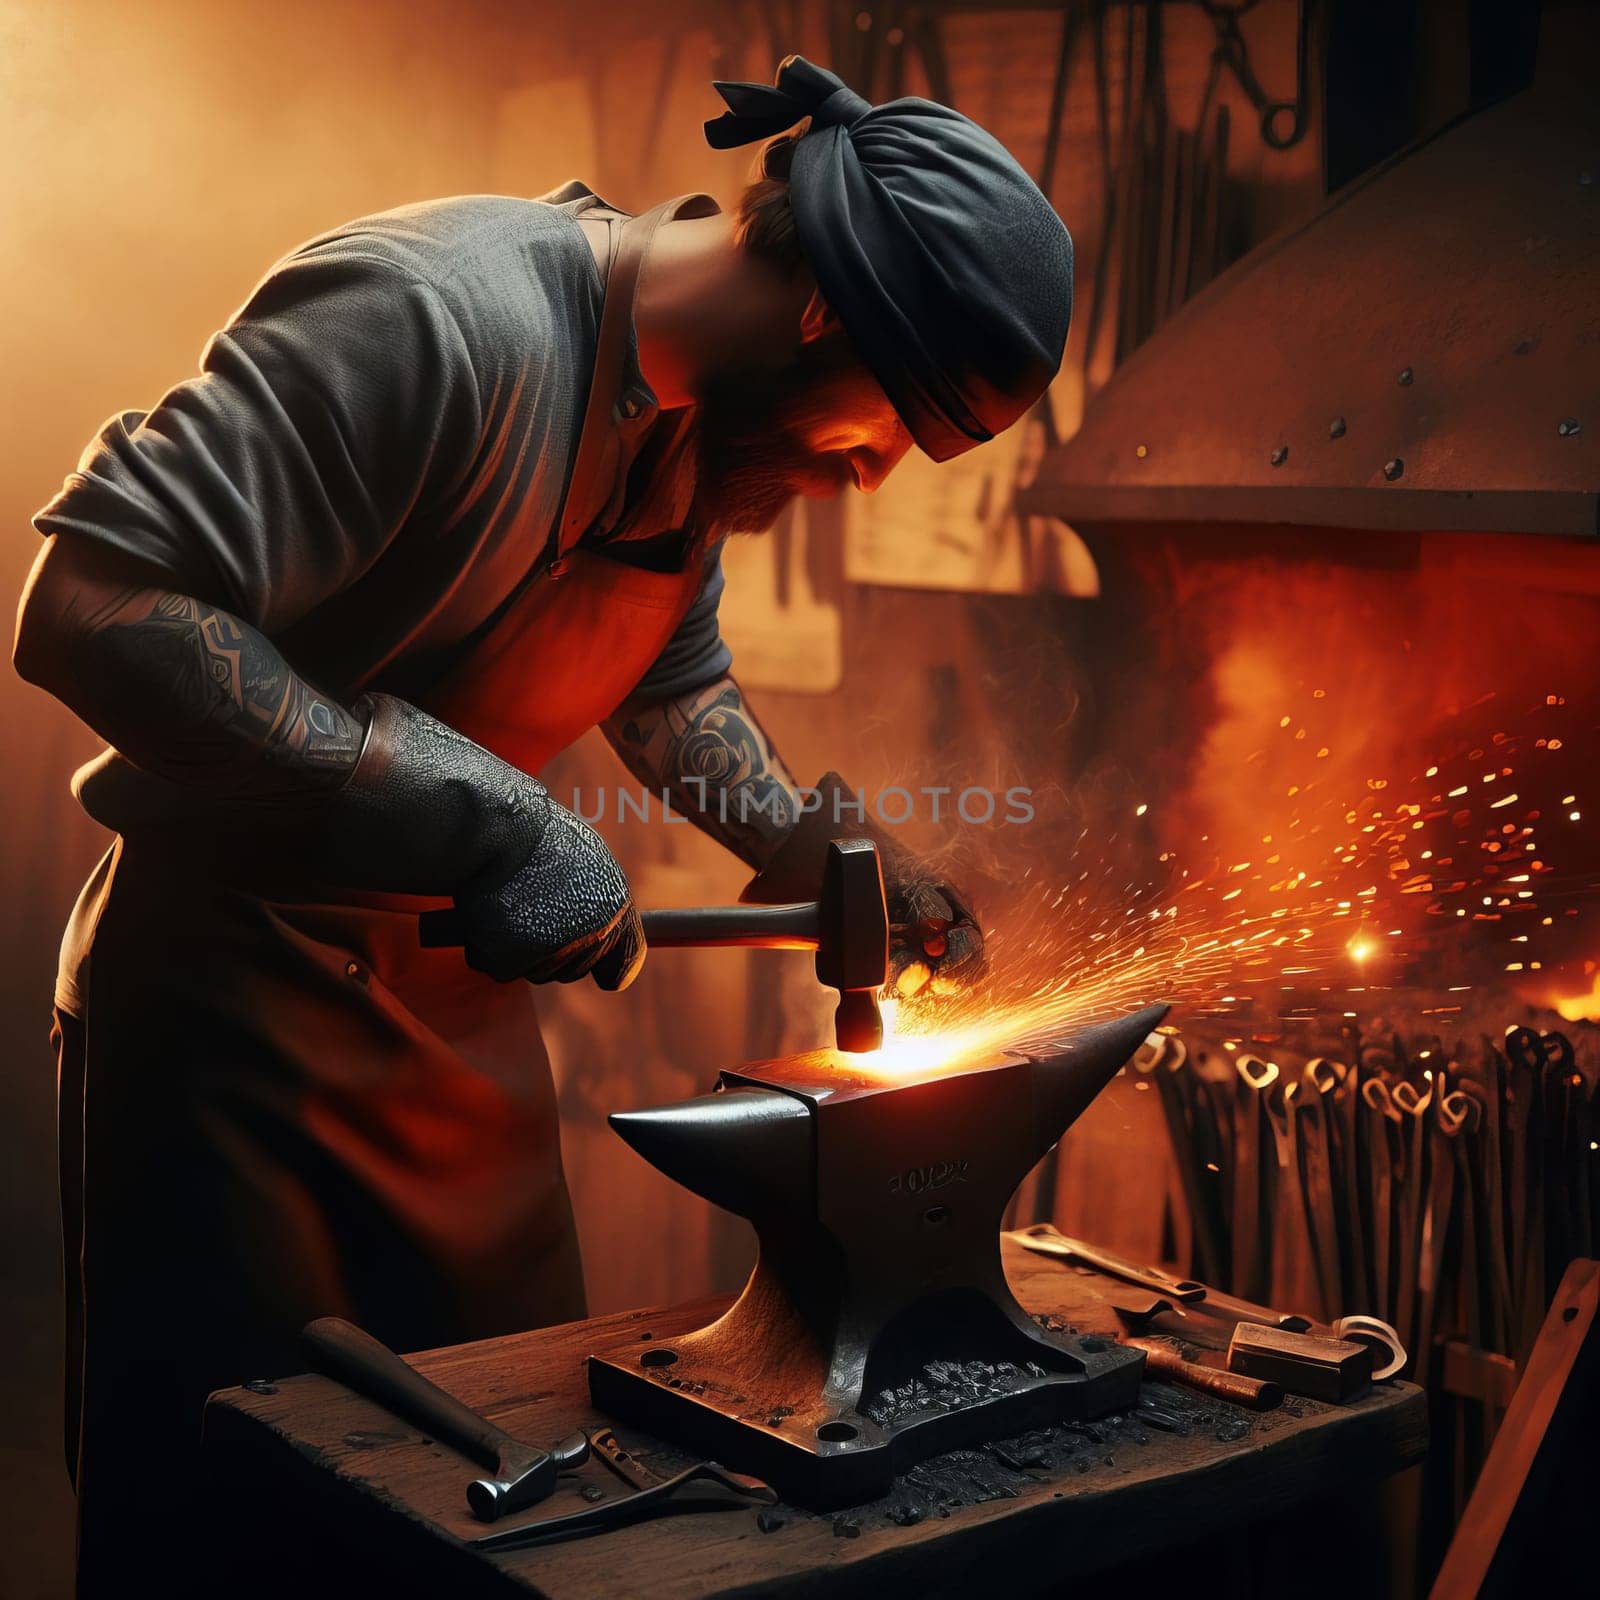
(289, 1109)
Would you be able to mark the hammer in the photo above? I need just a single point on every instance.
(520, 1475)
(847, 925)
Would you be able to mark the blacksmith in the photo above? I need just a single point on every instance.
(446, 492)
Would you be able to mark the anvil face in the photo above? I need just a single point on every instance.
(877, 1204)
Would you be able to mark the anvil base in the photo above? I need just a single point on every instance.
(823, 1458)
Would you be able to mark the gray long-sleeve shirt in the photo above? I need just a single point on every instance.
(374, 453)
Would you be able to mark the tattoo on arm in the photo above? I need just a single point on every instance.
(713, 758)
(190, 692)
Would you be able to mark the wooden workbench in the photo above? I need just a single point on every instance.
(309, 1476)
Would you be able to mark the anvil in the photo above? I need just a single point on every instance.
(877, 1327)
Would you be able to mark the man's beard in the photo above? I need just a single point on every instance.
(750, 456)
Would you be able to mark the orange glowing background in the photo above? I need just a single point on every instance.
(1392, 794)
(1381, 798)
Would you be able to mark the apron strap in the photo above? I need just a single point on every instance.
(594, 470)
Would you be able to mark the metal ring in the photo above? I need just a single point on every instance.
(1270, 114)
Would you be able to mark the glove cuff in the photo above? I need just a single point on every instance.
(425, 810)
(795, 872)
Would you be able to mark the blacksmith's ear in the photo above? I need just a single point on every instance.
(817, 319)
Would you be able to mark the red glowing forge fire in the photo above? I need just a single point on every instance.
(1368, 778)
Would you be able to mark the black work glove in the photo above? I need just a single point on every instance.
(427, 811)
(935, 943)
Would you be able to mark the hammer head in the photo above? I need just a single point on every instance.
(527, 1475)
(853, 940)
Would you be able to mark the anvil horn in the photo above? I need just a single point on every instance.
(746, 1150)
(1068, 1078)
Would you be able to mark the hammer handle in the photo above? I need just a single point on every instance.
(1256, 1394)
(792, 927)
(340, 1350)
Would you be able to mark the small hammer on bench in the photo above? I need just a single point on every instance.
(847, 925)
(520, 1475)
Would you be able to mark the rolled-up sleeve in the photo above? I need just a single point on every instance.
(696, 654)
(336, 402)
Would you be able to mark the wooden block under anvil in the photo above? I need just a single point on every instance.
(1334, 1370)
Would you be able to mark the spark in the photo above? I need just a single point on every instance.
(1352, 850)
(1053, 970)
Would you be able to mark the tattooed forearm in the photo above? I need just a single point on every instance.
(191, 693)
(712, 757)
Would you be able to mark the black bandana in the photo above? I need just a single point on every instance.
(950, 271)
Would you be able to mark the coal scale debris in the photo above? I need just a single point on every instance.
(1002, 1469)
(949, 1386)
